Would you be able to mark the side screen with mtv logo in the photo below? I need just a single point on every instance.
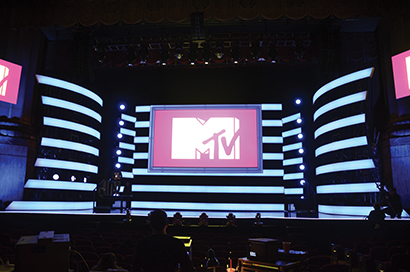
(220, 138)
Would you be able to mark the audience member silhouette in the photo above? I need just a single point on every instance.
(395, 207)
(107, 262)
(160, 252)
(376, 217)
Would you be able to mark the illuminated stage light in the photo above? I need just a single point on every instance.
(121, 123)
(293, 191)
(69, 86)
(302, 182)
(199, 172)
(51, 206)
(345, 166)
(301, 150)
(118, 152)
(348, 188)
(294, 161)
(345, 122)
(356, 211)
(300, 136)
(302, 167)
(347, 100)
(299, 120)
(117, 165)
(291, 147)
(298, 101)
(68, 165)
(291, 118)
(59, 103)
(58, 185)
(119, 136)
(342, 144)
(56, 177)
(54, 122)
(302, 197)
(85, 179)
(291, 132)
(208, 189)
(73, 178)
(122, 107)
(365, 73)
(69, 145)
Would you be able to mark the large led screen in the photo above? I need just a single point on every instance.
(9, 81)
(219, 138)
(401, 72)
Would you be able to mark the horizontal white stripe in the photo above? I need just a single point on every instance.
(345, 166)
(271, 107)
(128, 132)
(48, 205)
(127, 174)
(142, 124)
(350, 99)
(293, 176)
(141, 140)
(292, 161)
(272, 123)
(343, 80)
(232, 207)
(142, 108)
(69, 86)
(69, 145)
(272, 139)
(50, 101)
(140, 156)
(272, 156)
(292, 132)
(265, 173)
(128, 118)
(345, 122)
(208, 189)
(347, 188)
(59, 185)
(291, 147)
(291, 118)
(342, 144)
(125, 160)
(54, 122)
(345, 210)
(68, 165)
(126, 146)
(293, 191)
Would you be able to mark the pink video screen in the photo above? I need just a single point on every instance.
(222, 138)
(10, 74)
(401, 73)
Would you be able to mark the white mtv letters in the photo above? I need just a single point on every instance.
(197, 139)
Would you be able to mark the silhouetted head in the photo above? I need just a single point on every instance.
(158, 220)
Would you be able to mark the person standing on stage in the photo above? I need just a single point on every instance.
(395, 207)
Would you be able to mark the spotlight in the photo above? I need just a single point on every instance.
(56, 176)
(119, 136)
(118, 165)
(302, 182)
(299, 120)
(85, 179)
(73, 178)
(118, 152)
(301, 151)
(302, 197)
(235, 53)
(300, 136)
(121, 123)
(298, 101)
(179, 52)
(122, 107)
(193, 54)
(219, 51)
(302, 167)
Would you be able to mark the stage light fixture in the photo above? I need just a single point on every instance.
(179, 51)
(118, 152)
(301, 151)
(235, 53)
(164, 55)
(122, 107)
(273, 53)
(302, 167)
(118, 165)
(206, 53)
(300, 136)
(219, 51)
(73, 178)
(119, 136)
(85, 179)
(121, 123)
(302, 197)
(56, 176)
(299, 120)
(298, 101)
(302, 182)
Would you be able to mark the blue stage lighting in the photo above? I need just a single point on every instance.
(73, 178)
(118, 165)
(119, 136)
(299, 120)
(118, 152)
(301, 151)
(56, 177)
(302, 167)
(302, 182)
(121, 122)
(298, 101)
(300, 136)
(122, 107)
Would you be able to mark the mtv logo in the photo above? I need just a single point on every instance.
(217, 138)
(10, 74)
(401, 72)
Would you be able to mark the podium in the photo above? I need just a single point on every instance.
(43, 253)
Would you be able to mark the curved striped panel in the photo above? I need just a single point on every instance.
(68, 165)
(344, 122)
(64, 144)
(345, 166)
(50, 206)
(347, 188)
(208, 189)
(55, 122)
(342, 144)
(59, 185)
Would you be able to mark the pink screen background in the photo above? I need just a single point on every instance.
(13, 82)
(163, 138)
(401, 80)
